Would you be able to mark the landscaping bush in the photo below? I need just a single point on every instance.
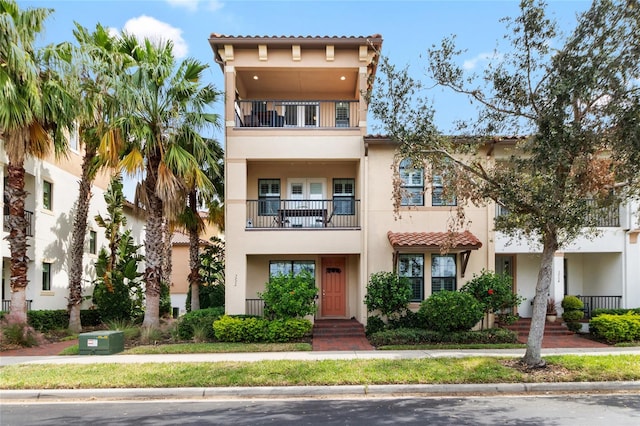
(253, 330)
(574, 326)
(572, 316)
(388, 293)
(409, 319)
(48, 320)
(290, 296)
(374, 325)
(15, 332)
(448, 311)
(493, 291)
(616, 328)
(200, 319)
(416, 336)
(618, 311)
(572, 303)
(90, 318)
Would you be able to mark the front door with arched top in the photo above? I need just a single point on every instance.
(334, 283)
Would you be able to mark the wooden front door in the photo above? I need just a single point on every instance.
(334, 283)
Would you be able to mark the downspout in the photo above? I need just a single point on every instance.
(365, 232)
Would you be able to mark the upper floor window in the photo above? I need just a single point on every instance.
(342, 114)
(47, 195)
(443, 272)
(93, 242)
(438, 197)
(412, 184)
(301, 114)
(343, 196)
(46, 276)
(268, 196)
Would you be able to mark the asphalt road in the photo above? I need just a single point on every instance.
(561, 410)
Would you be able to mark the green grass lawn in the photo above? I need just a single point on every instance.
(205, 348)
(565, 368)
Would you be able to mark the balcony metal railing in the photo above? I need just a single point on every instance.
(6, 305)
(604, 217)
(28, 217)
(599, 302)
(341, 212)
(297, 114)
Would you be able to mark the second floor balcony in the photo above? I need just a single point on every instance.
(28, 216)
(296, 114)
(604, 217)
(276, 213)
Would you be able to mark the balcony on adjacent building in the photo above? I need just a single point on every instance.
(603, 217)
(296, 114)
(28, 215)
(276, 213)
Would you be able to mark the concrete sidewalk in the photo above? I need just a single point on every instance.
(356, 391)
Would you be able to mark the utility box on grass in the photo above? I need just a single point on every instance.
(101, 342)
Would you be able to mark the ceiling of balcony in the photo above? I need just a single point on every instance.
(290, 83)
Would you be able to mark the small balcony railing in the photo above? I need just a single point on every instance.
(28, 217)
(297, 114)
(254, 307)
(6, 305)
(303, 214)
(599, 302)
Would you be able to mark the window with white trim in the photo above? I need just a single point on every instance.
(93, 242)
(291, 267)
(437, 193)
(46, 276)
(412, 184)
(268, 197)
(47, 195)
(344, 196)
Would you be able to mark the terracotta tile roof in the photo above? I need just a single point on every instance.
(434, 240)
(181, 239)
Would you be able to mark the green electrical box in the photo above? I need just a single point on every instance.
(101, 342)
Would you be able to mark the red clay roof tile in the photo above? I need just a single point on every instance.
(455, 240)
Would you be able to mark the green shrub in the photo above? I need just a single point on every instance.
(507, 319)
(409, 319)
(374, 325)
(201, 319)
(572, 316)
(416, 336)
(210, 296)
(252, 330)
(290, 296)
(448, 311)
(572, 303)
(574, 326)
(618, 311)
(15, 332)
(388, 293)
(90, 318)
(616, 328)
(493, 291)
(48, 320)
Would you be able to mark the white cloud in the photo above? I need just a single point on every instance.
(148, 27)
(192, 5)
(472, 63)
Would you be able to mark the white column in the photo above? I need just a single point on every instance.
(557, 284)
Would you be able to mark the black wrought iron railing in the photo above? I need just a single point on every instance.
(306, 214)
(603, 217)
(6, 305)
(254, 307)
(28, 215)
(599, 302)
(297, 114)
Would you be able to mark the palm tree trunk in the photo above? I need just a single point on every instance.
(194, 256)
(17, 240)
(533, 355)
(77, 244)
(154, 247)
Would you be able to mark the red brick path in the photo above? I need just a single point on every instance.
(339, 335)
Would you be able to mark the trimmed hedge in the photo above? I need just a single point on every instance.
(618, 311)
(448, 311)
(253, 330)
(616, 328)
(48, 320)
(202, 318)
(416, 336)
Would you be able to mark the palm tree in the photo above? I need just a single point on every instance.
(34, 109)
(162, 102)
(93, 75)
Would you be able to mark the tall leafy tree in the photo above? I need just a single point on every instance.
(92, 74)
(35, 110)
(576, 100)
(163, 96)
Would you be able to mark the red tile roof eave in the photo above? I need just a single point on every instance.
(411, 240)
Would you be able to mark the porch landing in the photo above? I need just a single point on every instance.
(339, 335)
(556, 335)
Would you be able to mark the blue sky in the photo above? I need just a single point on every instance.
(408, 28)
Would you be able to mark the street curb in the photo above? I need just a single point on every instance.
(327, 392)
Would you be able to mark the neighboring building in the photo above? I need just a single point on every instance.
(180, 268)
(52, 187)
(307, 189)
